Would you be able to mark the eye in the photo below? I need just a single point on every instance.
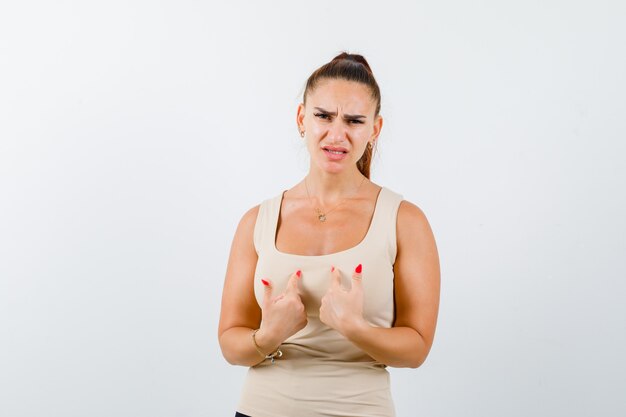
(357, 121)
(322, 115)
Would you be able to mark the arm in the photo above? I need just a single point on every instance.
(240, 313)
(417, 286)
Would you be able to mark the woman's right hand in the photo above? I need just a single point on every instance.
(282, 316)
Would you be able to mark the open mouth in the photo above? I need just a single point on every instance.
(335, 151)
(335, 154)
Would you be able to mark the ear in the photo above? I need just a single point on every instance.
(378, 125)
(300, 117)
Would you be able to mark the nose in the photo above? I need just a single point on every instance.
(337, 130)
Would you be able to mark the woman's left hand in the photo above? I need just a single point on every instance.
(342, 308)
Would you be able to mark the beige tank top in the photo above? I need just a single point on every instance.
(321, 373)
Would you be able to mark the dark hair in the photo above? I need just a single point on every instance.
(350, 67)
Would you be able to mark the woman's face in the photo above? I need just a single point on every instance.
(338, 122)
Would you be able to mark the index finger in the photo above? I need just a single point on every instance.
(335, 277)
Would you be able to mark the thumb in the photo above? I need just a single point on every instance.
(267, 294)
(357, 276)
(292, 284)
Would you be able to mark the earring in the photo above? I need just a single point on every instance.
(371, 145)
(302, 133)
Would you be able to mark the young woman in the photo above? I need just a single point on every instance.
(335, 278)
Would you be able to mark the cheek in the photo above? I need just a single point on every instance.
(312, 145)
(361, 135)
(317, 128)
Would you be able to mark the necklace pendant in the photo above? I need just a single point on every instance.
(321, 217)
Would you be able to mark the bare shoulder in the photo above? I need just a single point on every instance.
(245, 229)
(410, 212)
(249, 217)
(412, 225)
(248, 220)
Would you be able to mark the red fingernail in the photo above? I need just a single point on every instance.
(332, 269)
(358, 269)
(299, 273)
(267, 284)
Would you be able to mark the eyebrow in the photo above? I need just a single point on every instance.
(347, 116)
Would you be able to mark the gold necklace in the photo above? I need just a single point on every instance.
(321, 216)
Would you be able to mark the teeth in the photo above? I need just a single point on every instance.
(335, 152)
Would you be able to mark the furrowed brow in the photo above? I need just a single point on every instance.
(346, 116)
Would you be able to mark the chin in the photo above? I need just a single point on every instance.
(333, 168)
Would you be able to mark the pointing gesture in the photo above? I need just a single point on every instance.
(342, 308)
(281, 316)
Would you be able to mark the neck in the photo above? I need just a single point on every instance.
(329, 188)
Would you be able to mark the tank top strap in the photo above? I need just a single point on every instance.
(266, 221)
(384, 221)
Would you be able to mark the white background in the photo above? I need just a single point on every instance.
(135, 134)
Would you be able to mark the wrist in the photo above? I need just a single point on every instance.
(355, 328)
(264, 343)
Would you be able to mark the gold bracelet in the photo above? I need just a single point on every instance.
(277, 354)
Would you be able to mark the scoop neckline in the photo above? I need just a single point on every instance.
(358, 245)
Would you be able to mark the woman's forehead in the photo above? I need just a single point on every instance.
(346, 95)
